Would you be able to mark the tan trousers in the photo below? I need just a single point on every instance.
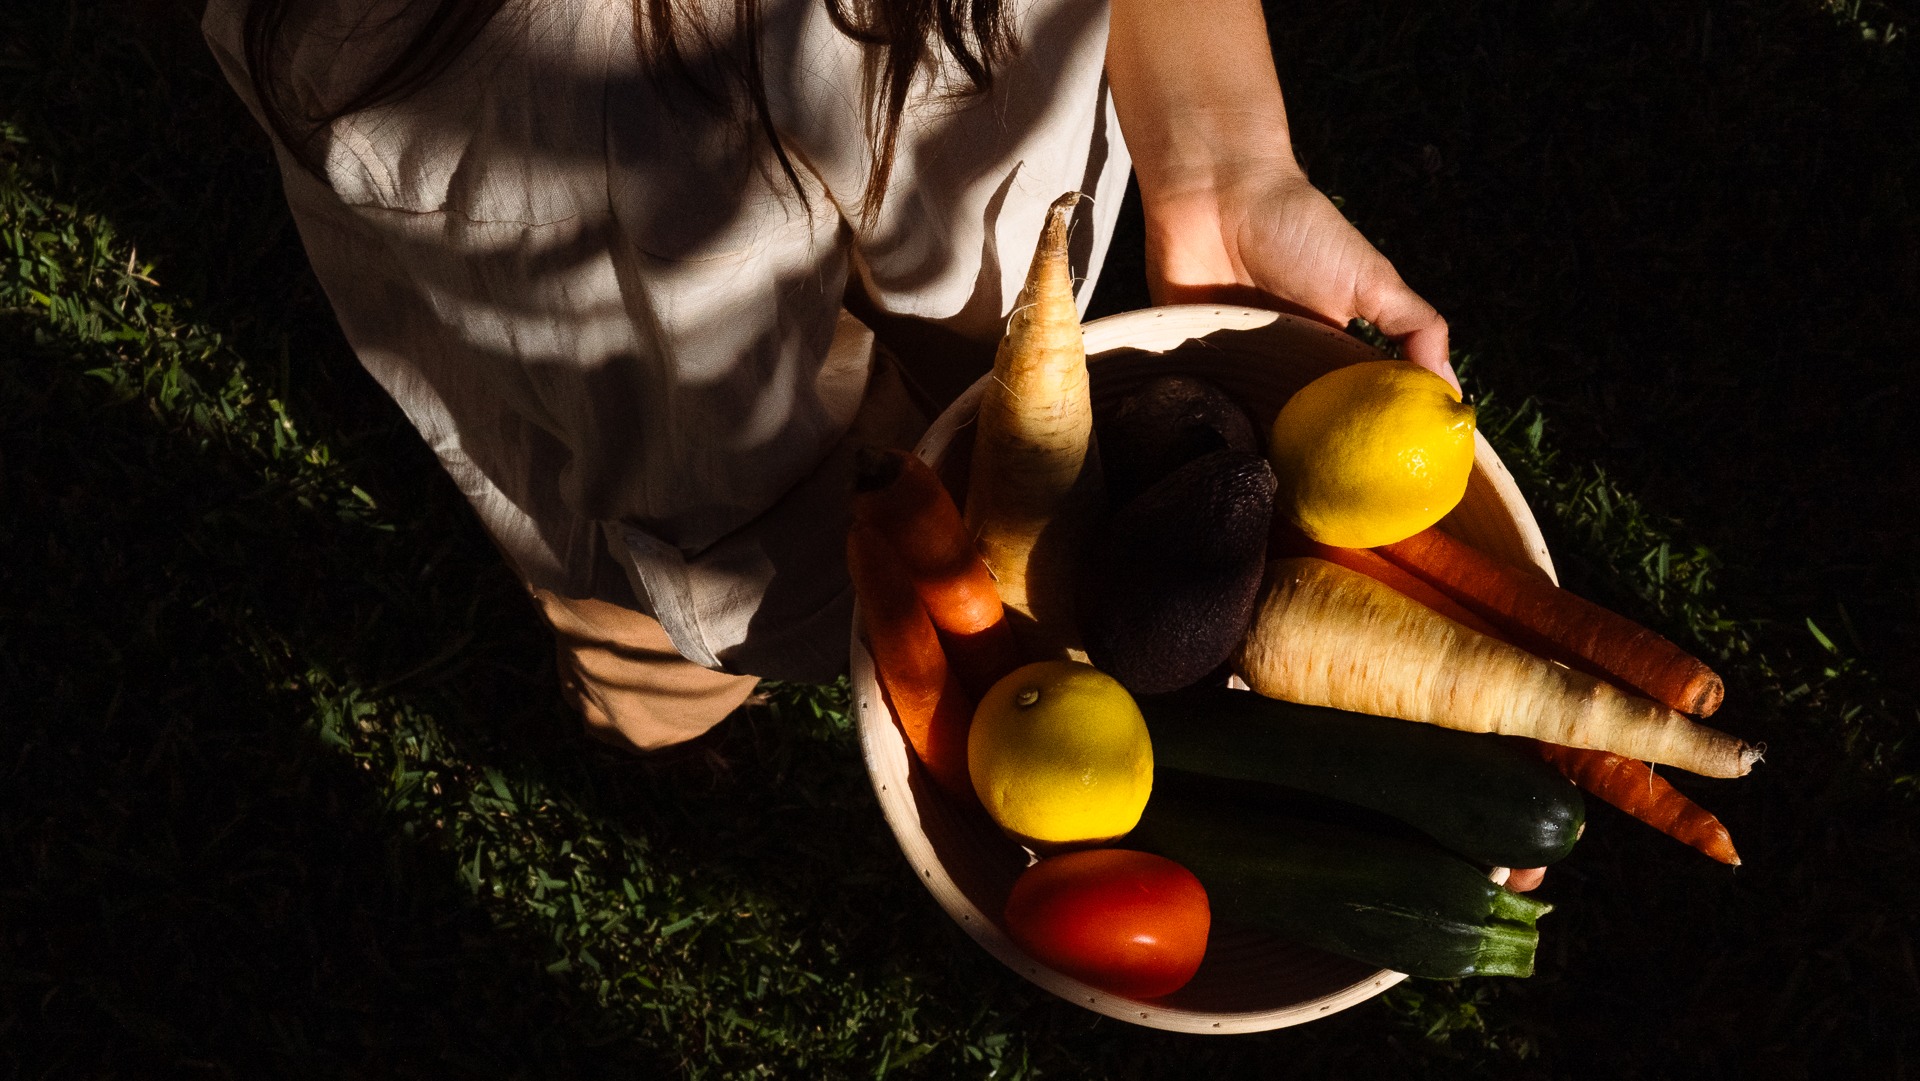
(619, 669)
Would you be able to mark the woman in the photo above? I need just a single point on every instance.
(606, 255)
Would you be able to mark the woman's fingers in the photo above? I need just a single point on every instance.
(1273, 240)
(1427, 347)
(1307, 252)
(1398, 312)
(1523, 879)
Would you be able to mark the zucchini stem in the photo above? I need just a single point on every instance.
(1518, 907)
(1506, 949)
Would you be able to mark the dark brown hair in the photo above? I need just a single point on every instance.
(900, 35)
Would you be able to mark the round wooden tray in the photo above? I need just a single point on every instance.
(1249, 981)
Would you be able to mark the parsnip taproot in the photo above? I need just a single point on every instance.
(1034, 482)
(1328, 636)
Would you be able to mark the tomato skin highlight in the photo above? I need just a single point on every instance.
(1130, 923)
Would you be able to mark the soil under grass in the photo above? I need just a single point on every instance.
(286, 788)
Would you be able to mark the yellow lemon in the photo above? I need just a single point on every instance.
(1060, 756)
(1372, 453)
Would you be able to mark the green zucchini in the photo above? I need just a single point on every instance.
(1479, 795)
(1400, 904)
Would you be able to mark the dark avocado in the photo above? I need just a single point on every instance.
(1164, 425)
(1168, 588)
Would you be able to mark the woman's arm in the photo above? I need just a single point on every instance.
(1230, 215)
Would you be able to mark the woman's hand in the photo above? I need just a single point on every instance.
(1230, 215)
(1272, 240)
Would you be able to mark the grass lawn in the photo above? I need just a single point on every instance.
(286, 788)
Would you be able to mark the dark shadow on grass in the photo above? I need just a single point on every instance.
(1691, 232)
(198, 887)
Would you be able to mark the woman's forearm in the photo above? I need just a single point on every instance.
(1200, 107)
(1194, 85)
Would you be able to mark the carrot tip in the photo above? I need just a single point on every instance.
(1708, 692)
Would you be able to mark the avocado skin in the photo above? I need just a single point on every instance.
(1163, 425)
(1168, 589)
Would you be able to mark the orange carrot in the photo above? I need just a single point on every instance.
(1034, 481)
(1633, 787)
(903, 500)
(1615, 646)
(927, 700)
(1324, 635)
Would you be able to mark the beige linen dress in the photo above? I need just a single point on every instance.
(621, 330)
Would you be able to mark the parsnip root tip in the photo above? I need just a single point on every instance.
(1749, 756)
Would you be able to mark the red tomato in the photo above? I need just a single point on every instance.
(1130, 923)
